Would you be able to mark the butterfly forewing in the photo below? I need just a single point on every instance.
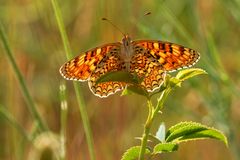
(81, 67)
(171, 56)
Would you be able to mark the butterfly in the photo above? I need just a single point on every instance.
(148, 59)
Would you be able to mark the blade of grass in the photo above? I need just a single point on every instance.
(64, 110)
(82, 106)
(220, 103)
(30, 103)
(9, 118)
(215, 65)
(233, 7)
(167, 13)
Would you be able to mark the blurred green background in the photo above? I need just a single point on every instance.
(212, 27)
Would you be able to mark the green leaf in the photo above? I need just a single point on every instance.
(162, 88)
(174, 82)
(165, 147)
(176, 127)
(119, 76)
(186, 131)
(133, 153)
(184, 75)
(210, 133)
(135, 89)
(189, 73)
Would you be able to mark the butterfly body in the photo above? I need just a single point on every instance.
(149, 59)
(126, 51)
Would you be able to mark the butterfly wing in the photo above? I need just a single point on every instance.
(111, 62)
(147, 67)
(152, 59)
(171, 56)
(81, 67)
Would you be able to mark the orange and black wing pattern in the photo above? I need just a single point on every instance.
(81, 67)
(147, 68)
(111, 62)
(171, 56)
(150, 60)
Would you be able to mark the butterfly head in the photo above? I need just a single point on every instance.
(126, 40)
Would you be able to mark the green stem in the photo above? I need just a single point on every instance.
(61, 27)
(161, 100)
(151, 115)
(85, 120)
(30, 103)
(82, 106)
(64, 110)
(146, 132)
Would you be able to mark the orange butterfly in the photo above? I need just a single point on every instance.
(149, 59)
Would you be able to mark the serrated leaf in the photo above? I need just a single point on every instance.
(210, 133)
(188, 73)
(133, 153)
(177, 126)
(182, 129)
(161, 132)
(135, 89)
(119, 76)
(186, 131)
(165, 147)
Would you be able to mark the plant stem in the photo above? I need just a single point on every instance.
(161, 100)
(152, 112)
(85, 120)
(64, 110)
(147, 128)
(30, 103)
(80, 100)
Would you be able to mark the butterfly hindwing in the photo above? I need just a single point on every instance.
(111, 62)
(147, 68)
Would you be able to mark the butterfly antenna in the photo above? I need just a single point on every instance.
(138, 19)
(147, 13)
(143, 16)
(105, 19)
